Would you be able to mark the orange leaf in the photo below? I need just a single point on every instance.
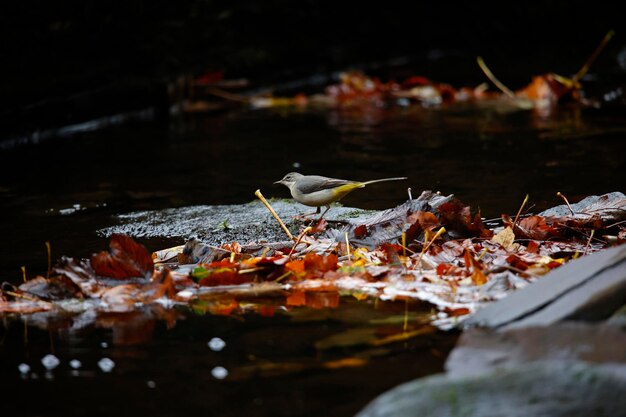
(454, 312)
(322, 299)
(296, 298)
(223, 278)
(478, 278)
(320, 263)
(296, 266)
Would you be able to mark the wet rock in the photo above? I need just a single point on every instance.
(589, 288)
(252, 222)
(220, 224)
(609, 206)
(618, 318)
(480, 349)
(550, 389)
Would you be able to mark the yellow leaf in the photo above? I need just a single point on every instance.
(505, 238)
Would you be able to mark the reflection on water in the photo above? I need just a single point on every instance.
(306, 361)
(204, 360)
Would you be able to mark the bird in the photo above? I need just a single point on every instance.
(318, 191)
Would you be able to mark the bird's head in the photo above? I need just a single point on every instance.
(289, 179)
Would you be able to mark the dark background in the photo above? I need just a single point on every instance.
(68, 61)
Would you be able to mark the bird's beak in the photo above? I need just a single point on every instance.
(278, 182)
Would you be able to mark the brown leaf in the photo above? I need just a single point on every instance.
(536, 227)
(82, 274)
(54, 288)
(125, 259)
(458, 218)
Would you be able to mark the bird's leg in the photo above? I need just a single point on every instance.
(304, 216)
(325, 211)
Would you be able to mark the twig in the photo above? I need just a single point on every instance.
(408, 190)
(404, 244)
(493, 79)
(589, 241)
(615, 224)
(566, 202)
(18, 295)
(405, 324)
(347, 245)
(264, 201)
(283, 276)
(583, 70)
(49, 259)
(519, 212)
(218, 92)
(304, 232)
(23, 268)
(441, 231)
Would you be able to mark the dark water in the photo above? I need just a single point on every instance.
(486, 157)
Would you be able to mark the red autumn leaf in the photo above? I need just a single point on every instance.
(516, 262)
(361, 232)
(532, 247)
(536, 227)
(415, 80)
(319, 226)
(449, 269)
(228, 277)
(392, 253)
(458, 218)
(210, 77)
(125, 259)
(267, 310)
(444, 269)
(420, 221)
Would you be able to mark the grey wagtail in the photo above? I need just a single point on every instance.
(317, 191)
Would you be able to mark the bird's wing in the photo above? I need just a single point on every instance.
(313, 183)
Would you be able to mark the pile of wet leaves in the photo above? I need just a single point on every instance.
(357, 91)
(433, 250)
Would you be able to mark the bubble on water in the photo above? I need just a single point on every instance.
(216, 344)
(106, 364)
(24, 368)
(75, 364)
(50, 361)
(151, 384)
(219, 372)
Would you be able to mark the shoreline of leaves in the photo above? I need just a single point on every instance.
(441, 254)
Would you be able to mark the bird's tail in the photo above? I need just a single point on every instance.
(384, 179)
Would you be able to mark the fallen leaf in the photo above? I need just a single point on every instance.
(125, 259)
